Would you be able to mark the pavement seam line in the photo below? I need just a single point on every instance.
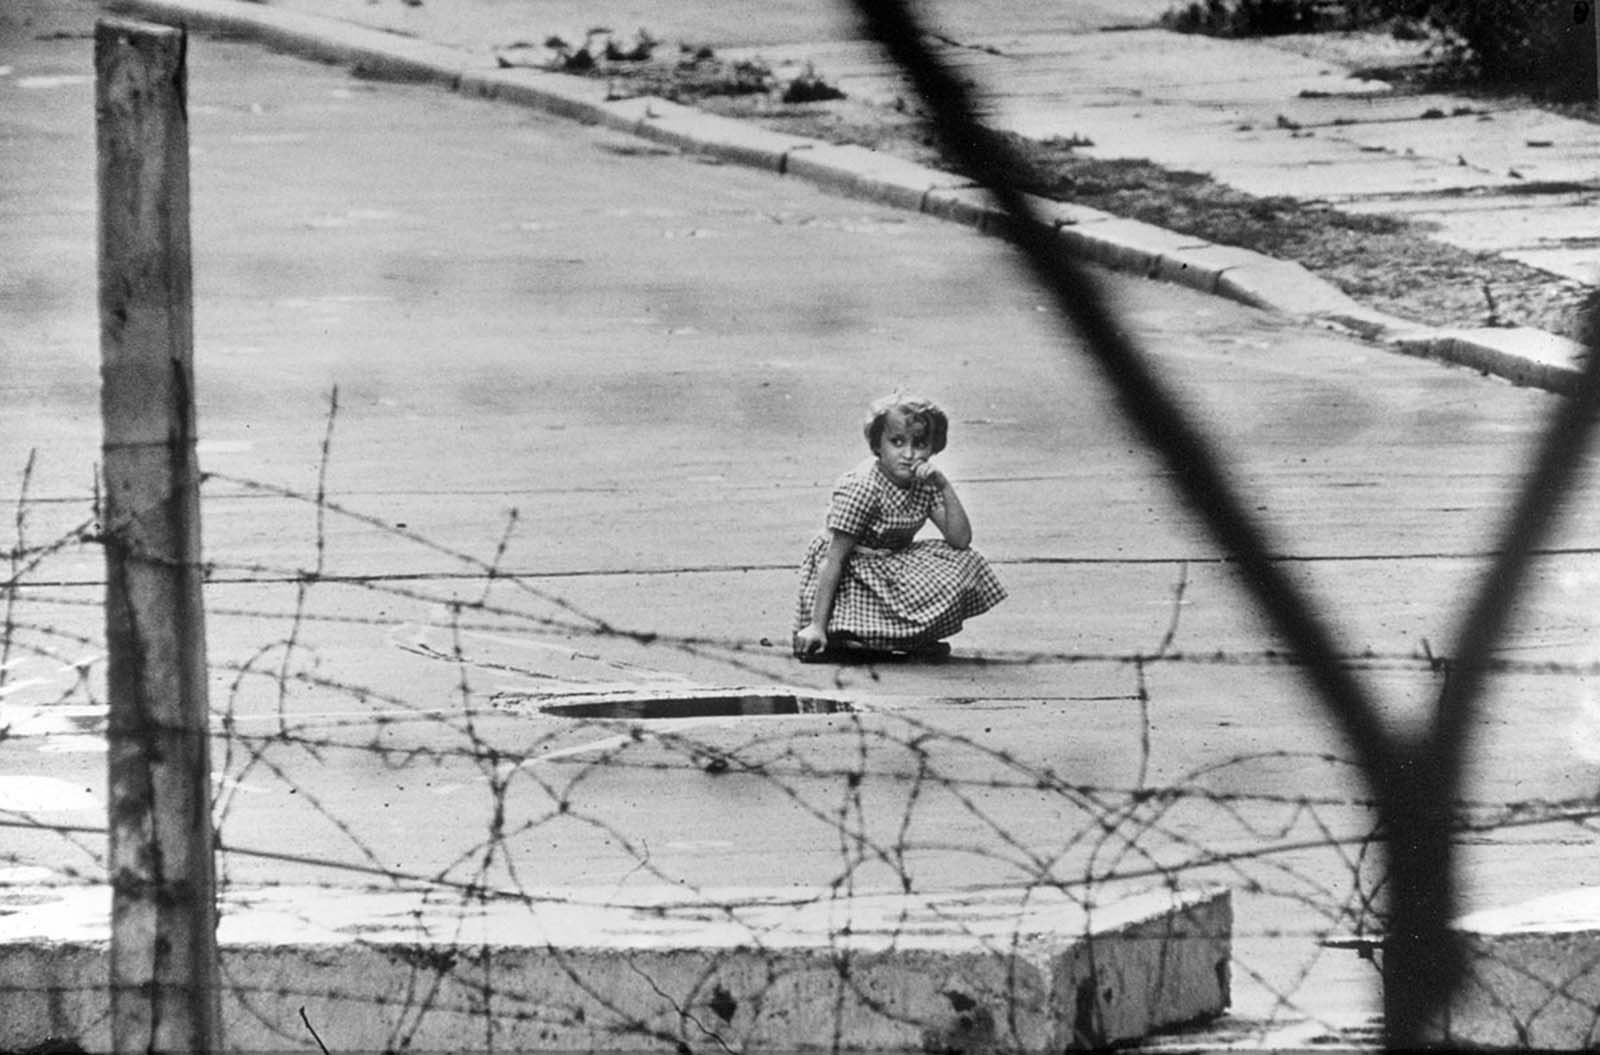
(1522, 355)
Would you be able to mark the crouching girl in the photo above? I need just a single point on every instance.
(866, 581)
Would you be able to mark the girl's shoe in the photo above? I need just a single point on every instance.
(933, 651)
(845, 648)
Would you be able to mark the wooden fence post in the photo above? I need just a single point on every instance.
(1594, 24)
(164, 981)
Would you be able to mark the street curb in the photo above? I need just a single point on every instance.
(1027, 970)
(1521, 355)
(1531, 358)
(688, 129)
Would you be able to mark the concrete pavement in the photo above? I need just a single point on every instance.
(1256, 114)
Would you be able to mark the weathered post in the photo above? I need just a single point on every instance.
(164, 993)
(1594, 23)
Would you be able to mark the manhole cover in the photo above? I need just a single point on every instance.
(699, 705)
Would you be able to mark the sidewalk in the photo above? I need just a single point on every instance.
(1519, 183)
(1269, 120)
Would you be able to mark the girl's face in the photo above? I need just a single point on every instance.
(903, 446)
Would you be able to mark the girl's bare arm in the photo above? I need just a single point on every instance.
(948, 514)
(814, 638)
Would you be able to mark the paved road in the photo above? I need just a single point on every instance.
(659, 365)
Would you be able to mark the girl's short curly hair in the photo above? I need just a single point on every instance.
(916, 410)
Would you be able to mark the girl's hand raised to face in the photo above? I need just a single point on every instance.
(930, 473)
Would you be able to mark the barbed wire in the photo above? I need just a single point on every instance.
(880, 776)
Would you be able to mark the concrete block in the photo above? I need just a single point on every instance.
(1126, 245)
(697, 132)
(1201, 266)
(1540, 146)
(1520, 355)
(741, 970)
(975, 207)
(367, 52)
(972, 206)
(626, 115)
(1064, 213)
(1533, 977)
(1579, 263)
(1370, 323)
(1343, 111)
(1281, 285)
(397, 59)
(1522, 226)
(55, 989)
(863, 173)
(1143, 970)
(574, 98)
(201, 16)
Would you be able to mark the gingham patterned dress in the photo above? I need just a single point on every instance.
(918, 592)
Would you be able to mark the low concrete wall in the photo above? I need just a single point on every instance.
(738, 970)
(1533, 977)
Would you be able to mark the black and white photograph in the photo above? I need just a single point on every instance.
(911, 527)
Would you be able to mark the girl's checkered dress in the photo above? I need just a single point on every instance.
(917, 592)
